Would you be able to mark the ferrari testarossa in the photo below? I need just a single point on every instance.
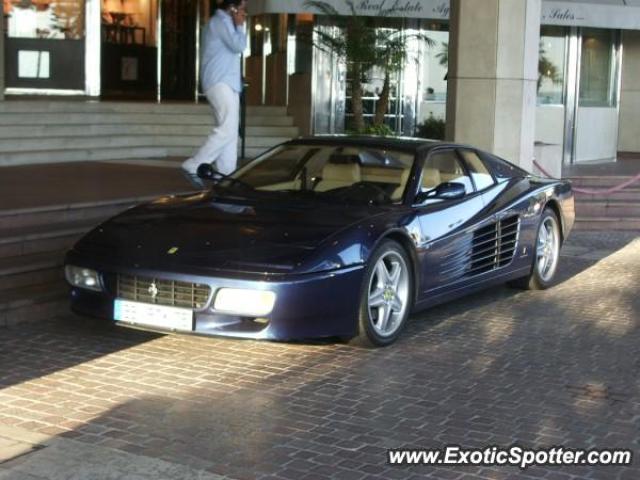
(324, 237)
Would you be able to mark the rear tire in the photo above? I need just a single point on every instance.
(386, 296)
(546, 255)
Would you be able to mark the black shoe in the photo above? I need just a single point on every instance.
(195, 181)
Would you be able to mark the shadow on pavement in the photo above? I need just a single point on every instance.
(29, 351)
(539, 369)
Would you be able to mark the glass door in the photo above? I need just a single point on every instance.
(596, 117)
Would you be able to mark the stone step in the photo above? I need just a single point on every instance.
(253, 152)
(264, 141)
(627, 194)
(267, 110)
(63, 156)
(95, 143)
(124, 153)
(28, 270)
(15, 242)
(102, 142)
(60, 106)
(272, 131)
(28, 120)
(42, 132)
(33, 303)
(80, 155)
(600, 182)
(260, 120)
(76, 213)
(607, 224)
(79, 131)
(615, 209)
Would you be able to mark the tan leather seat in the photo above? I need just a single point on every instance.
(430, 178)
(293, 185)
(397, 193)
(337, 175)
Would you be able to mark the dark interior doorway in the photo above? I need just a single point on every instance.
(179, 31)
(129, 49)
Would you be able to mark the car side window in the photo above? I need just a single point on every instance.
(444, 166)
(501, 168)
(478, 170)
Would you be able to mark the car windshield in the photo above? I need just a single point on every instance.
(350, 173)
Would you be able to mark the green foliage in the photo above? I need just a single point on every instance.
(547, 69)
(362, 46)
(391, 55)
(352, 44)
(381, 130)
(372, 129)
(443, 54)
(391, 48)
(355, 38)
(432, 128)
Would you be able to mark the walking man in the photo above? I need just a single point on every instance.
(224, 40)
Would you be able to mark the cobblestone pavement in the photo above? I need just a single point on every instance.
(558, 367)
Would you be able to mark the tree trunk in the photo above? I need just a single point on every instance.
(383, 101)
(356, 98)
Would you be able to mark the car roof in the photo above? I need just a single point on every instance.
(407, 144)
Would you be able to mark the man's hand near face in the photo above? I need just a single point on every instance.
(239, 14)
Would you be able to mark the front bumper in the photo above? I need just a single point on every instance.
(307, 306)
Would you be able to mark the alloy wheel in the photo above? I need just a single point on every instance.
(548, 248)
(388, 294)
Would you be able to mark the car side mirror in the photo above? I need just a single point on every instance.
(450, 191)
(444, 191)
(205, 171)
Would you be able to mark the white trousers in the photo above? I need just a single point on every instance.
(221, 146)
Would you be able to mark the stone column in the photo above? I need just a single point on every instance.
(628, 138)
(493, 72)
(2, 20)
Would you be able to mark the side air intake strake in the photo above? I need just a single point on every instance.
(488, 248)
(494, 245)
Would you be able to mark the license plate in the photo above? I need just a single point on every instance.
(161, 316)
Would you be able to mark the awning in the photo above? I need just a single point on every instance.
(624, 15)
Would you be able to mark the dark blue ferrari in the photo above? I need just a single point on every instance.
(324, 237)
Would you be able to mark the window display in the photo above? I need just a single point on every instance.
(45, 19)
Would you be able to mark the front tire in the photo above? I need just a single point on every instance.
(546, 256)
(386, 296)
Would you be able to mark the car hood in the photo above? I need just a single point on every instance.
(205, 232)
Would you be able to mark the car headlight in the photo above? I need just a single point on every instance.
(247, 303)
(83, 278)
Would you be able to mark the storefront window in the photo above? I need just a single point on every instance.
(131, 22)
(45, 19)
(434, 71)
(129, 39)
(551, 66)
(598, 68)
(44, 47)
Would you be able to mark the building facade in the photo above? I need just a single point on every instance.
(587, 83)
(133, 49)
(582, 88)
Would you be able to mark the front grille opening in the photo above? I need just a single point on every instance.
(162, 292)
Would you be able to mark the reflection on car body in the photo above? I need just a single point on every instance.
(323, 237)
